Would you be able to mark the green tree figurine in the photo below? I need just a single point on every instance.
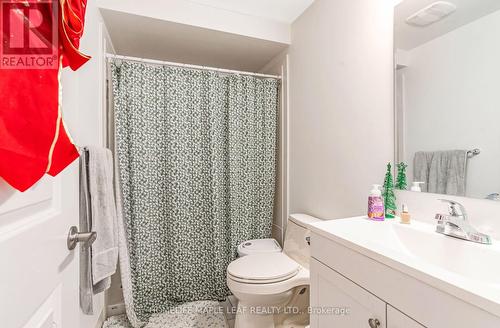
(388, 194)
(401, 183)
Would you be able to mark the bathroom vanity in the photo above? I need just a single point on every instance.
(386, 274)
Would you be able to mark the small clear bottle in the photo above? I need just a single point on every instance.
(405, 215)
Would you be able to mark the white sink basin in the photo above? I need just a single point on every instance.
(459, 267)
(474, 261)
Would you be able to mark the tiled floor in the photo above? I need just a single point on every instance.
(230, 305)
(189, 315)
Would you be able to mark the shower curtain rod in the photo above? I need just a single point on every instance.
(206, 68)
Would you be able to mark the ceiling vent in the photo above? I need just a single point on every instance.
(431, 14)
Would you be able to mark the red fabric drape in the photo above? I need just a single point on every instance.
(71, 23)
(33, 138)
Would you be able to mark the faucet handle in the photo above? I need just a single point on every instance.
(455, 208)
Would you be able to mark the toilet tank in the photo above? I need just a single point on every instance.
(297, 235)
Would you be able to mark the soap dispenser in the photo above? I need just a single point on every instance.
(376, 204)
(416, 186)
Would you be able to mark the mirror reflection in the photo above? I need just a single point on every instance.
(447, 90)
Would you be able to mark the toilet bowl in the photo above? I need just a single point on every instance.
(272, 287)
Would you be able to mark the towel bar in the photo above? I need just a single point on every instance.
(473, 152)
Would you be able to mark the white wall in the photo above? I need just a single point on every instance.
(341, 98)
(452, 99)
(91, 79)
(280, 66)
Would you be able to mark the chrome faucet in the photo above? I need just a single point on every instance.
(456, 224)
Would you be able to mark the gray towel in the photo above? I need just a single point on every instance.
(97, 213)
(103, 209)
(444, 172)
(421, 168)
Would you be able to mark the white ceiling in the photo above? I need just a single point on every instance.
(146, 37)
(233, 34)
(279, 10)
(408, 37)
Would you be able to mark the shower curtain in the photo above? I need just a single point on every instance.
(196, 157)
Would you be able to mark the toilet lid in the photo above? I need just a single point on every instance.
(264, 267)
(256, 246)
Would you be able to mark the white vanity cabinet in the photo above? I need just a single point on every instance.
(354, 286)
(338, 302)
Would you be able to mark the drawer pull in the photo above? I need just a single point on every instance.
(374, 323)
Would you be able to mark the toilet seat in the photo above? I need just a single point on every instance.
(263, 268)
(268, 288)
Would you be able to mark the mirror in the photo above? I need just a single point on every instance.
(447, 95)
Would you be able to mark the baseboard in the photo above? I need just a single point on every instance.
(115, 309)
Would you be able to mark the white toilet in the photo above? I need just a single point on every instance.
(272, 286)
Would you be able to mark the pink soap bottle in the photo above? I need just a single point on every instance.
(376, 204)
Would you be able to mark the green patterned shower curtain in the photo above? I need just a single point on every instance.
(197, 166)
